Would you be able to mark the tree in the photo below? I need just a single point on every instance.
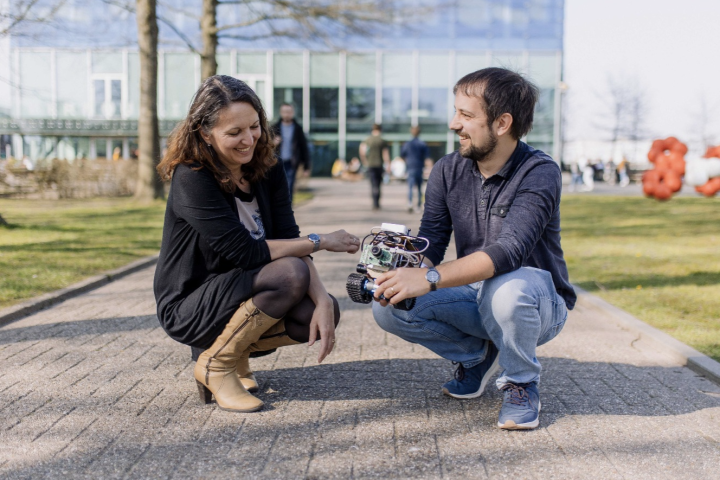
(149, 185)
(19, 13)
(626, 106)
(704, 121)
(303, 20)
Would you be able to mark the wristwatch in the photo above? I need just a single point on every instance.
(432, 276)
(315, 238)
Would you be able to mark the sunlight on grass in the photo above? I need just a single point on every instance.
(51, 244)
(658, 261)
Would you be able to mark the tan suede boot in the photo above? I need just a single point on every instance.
(274, 338)
(215, 369)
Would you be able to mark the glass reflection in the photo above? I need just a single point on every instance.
(397, 104)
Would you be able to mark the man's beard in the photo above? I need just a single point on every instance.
(480, 153)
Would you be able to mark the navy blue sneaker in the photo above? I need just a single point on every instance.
(471, 382)
(521, 407)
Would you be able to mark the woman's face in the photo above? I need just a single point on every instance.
(235, 135)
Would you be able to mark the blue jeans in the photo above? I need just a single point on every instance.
(517, 311)
(290, 173)
(415, 179)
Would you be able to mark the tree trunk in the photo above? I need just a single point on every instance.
(2, 221)
(149, 185)
(208, 29)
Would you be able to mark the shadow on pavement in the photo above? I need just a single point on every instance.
(75, 328)
(567, 386)
(338, 405)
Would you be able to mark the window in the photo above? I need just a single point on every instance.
(288, 83)
(324, 110)
(71, 72)
(433, 93)
(36, 94)
(397, 93)
(360, 82)
(107, 98)
(179, 84)
(324, 92)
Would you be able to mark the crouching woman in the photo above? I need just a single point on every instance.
(234, 276)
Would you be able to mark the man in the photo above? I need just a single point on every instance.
(508, 291)
(292, 145)
(375, 155)
(414, 153)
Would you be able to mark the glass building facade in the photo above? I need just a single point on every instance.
(75, 102)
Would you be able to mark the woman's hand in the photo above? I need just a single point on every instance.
(339, 241)
(323, 325)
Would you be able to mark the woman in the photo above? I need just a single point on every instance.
(234, 277)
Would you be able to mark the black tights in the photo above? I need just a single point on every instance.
(280, 290)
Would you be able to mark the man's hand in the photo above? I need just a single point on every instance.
(397, 285)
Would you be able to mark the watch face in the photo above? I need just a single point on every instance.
(432, 276)
(314, 237)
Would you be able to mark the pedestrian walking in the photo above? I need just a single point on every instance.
(415, 152)
(292, 145)
(375, 155)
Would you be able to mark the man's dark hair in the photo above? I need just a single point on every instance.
(287, 104)
(377, 126)
(502, 91)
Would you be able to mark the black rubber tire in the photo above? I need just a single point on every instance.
(406, 304)
(355, 290)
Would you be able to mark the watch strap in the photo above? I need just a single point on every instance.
(315, 238)
(433, 285)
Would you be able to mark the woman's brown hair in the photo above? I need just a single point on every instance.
(186, 145)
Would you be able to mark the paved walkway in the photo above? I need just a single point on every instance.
(93, 388)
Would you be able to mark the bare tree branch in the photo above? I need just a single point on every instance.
(26, 14)
(704, 121)
(311, 18)
(626, 109)
(130, 8)
(174, 9)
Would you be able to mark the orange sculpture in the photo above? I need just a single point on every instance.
(668, 156)
(712, 187)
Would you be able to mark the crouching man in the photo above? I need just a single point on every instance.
(508, 291)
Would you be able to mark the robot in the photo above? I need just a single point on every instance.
(390, 246)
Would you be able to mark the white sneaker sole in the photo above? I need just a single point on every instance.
(510, 425)
(488, 375)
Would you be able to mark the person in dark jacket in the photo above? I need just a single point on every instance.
(292, 147)
(414, 153)
(234, 276)
(508, 290)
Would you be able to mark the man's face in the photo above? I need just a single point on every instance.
(477, 139)
(287, 113)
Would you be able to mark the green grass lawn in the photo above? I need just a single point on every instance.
(658, 261)
(51, 244)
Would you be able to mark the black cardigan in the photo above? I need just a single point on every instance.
(207, 257)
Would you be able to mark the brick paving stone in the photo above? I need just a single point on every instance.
(93, 388)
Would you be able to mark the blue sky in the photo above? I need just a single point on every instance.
(670, 48)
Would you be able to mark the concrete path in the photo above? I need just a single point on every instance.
(93, 388)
